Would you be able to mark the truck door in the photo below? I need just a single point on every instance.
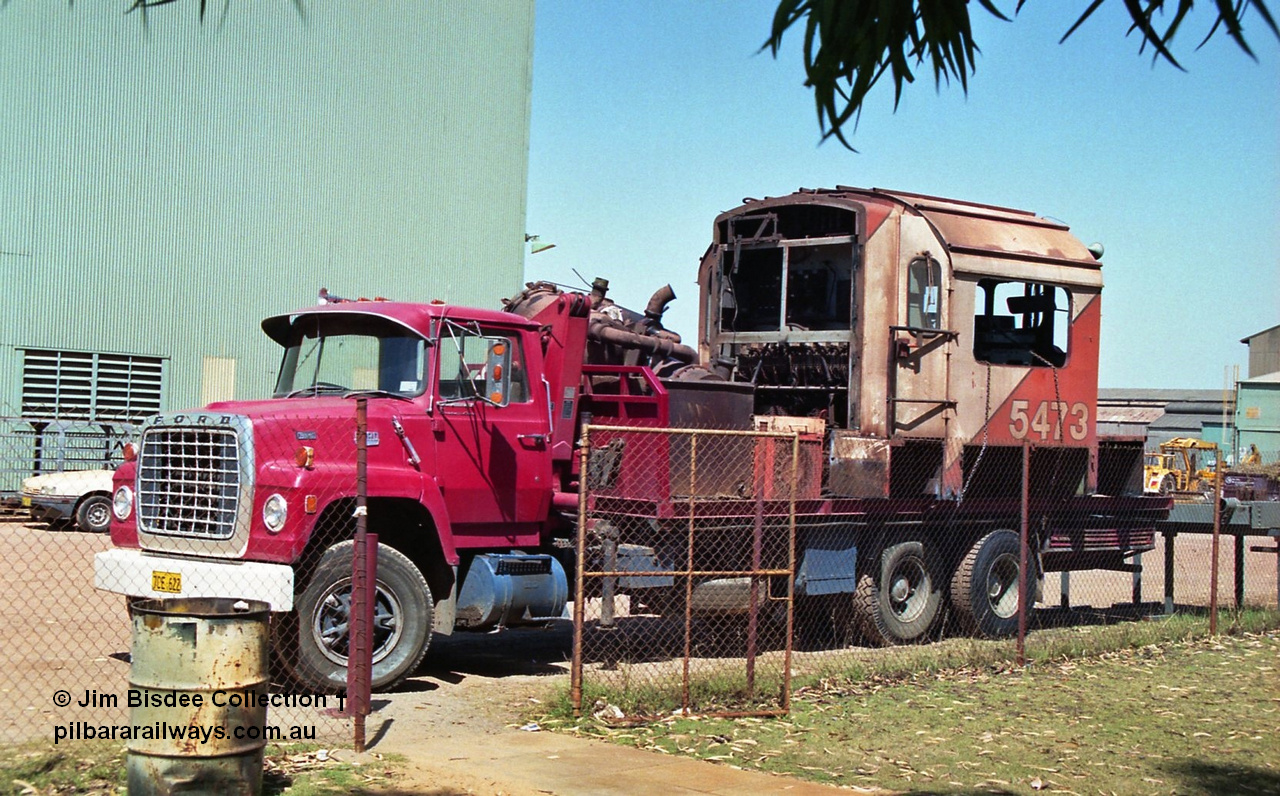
(493, 455)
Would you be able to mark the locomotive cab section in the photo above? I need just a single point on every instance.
(920, 329)
(934, 338)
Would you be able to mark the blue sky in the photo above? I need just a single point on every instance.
(651, 118)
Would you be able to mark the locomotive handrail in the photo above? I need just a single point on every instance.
(920, 331)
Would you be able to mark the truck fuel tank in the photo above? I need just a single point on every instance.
(505, 589)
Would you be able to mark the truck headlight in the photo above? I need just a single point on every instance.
(274, 512)
(122, 503)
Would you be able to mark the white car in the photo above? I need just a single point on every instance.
(80, 495)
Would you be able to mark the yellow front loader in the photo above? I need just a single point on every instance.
(1180, 468)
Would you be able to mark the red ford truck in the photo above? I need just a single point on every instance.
(931, 338)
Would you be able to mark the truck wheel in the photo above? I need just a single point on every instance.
(901, 601)
(401, 624)
(94, 514)
(984, 589)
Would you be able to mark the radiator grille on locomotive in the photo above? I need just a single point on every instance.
(189, 482)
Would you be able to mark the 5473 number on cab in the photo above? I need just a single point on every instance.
(1048, 419)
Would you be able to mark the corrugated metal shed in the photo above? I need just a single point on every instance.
(1141, 415)
(1264, 351)
(167, 187)
(1161, 415)
(1258, 415)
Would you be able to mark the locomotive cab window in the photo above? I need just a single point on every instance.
(1021, 323)
(924, 288)
(820, 287)
(752, 301)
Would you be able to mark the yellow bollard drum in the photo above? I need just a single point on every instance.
(197, 696)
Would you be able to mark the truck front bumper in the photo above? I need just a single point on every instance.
(137, 574)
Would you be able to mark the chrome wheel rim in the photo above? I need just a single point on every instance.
(330, 622)
(908, 590)
(1002, 586)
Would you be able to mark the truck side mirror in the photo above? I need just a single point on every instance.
(497, 372)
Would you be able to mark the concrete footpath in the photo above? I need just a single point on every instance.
(515, 763)
(457, 724)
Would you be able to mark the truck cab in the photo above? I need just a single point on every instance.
(255, 499)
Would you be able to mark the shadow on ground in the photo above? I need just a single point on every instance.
(279, 784)
(517, 651)
(1202, 776)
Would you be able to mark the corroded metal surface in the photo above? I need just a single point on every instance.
(199, 666)
(903, 317)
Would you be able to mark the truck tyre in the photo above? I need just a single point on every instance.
(984, 589)
(94, 514)
(318, 629)
(900, 602)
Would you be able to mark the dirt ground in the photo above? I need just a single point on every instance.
(58, 633)
(1191, 576)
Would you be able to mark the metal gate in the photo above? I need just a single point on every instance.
(684, 590)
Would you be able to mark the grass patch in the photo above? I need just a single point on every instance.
(719, 689)
(86, 767)
(649, 690)
(1042, 646)
(98, 768)
(1140, 707)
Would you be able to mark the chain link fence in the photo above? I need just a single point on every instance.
(684, 596)
(687, 551)
(65, 628)
(716, 567)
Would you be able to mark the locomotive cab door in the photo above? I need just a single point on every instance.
(919, 397)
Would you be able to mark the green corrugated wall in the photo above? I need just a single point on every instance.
(1258, 416)
(164, 187)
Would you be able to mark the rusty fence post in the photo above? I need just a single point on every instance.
(757, 551)
(1217, 531)
(1022, 554)
(579, 612)
(688, 579)
(791, 575)
(360, 609)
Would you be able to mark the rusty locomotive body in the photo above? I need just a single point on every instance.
(925, 346)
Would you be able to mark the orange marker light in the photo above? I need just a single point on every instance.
(309, 504)
(305, 457)
(129, 452)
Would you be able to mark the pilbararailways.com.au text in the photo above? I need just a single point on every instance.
(179, 731)
(164, 731)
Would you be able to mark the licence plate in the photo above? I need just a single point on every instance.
(26, 502)
(170, 582)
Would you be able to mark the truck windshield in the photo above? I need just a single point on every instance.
(340, 354)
